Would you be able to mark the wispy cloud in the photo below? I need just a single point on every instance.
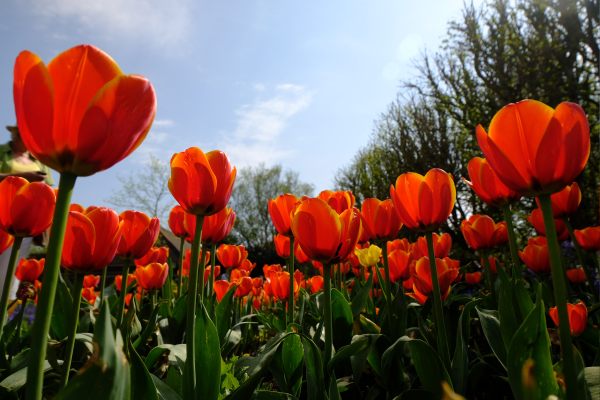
(165, 23)
(163, 123)
(256, 137)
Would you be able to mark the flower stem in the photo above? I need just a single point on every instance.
(512, 241)
(560, 297)
(103, 285)
(438, 311)
(8, 280)
(180, 266)
(43, 313)
(387, 285)
(488, 273)
(121, 307)
(76, 294)
(190, 329)
(291, 271)
(211, 276)
(589, 274)
(327, 321)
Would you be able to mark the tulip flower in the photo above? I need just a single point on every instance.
(403, 244)
(244, 286)
(154, 254)
(442, 244)
(269, 269)
(315, 283)
(447, 272)
(481, 232)
(26, 207)
(80, 114)
(537, 220)
(535, 254)
(221, 287)
(29, 269)
(486, 184)
(152, 276)
(138, 235)
(380, 219)
(131, 278)
(280, 285)
(577, 317)
(89, 294)
(216, 227)
(399, 263)
(576, 275)
(338, 200)
(282, 245)
(6, 240)
(299, 254)
(589, 238)
(176, 217)
(231, 256)
(566, 201)
(473, 278)
(247, 265)
(280, 209)
(369, 256)
(424, 202)
(91, 281)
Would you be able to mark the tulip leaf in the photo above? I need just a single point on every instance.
(287, 365)
(342, 319)
(392, 366)
(514, 304)
(429, 366)
(271, 395)
(142, 385)
(164, 391)
(493, 333)
(356, 352)
(106, 375)
(314, 369)
(359, 301)
(149, 329)
(223, 313)
(460, 361)
(531, 341)
(63, 300)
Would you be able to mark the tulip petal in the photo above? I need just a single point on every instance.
(80, 236)
(225, 174)
(9, 187)
(28, 220)
(108, 235)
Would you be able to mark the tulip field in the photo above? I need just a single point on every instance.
(369, 301)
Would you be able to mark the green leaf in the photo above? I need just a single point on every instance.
(392, 366)
(531, 341)
(149, 329)
(164, 391)
(460, 362)
(356, 352)
(270, 395)
(142, 386)
(106, 375)
(514, 304)
(18, 379)
(314, 369)
(359, 301)
(428, 364)
(342, 318)
(492, 331)
(59, 324)
(223, 314)
(287, 365)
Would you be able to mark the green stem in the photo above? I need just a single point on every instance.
(211, 279)
(512, 241)
(103, 285)
(121, 306)
(43, 313)
(589, 275)
(560, 297)
(76, 294)
(19, 324)
(8, 280)
(386, 286)
(201, 269)
(180, 266)
(190, 330)
(438, 311)
(327, 320)
(488, 273)
(291, 271)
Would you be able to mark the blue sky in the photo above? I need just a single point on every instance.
(294, 83)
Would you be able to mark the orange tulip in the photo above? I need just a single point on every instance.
(247, 265)
(217, 272)
(89, 294)
(424, 202)
(401, 244)
(280, 209)
(534, 148)
(257, 284)
(399, 264)
(216, 227)
(535, 254)
(576, 275)
(231, 256)
(91, 239)
(280, 285)
(201, 183)
(131, 278)
(566, 201)
(588, 238)
(221, 287)
(380, 220)
(185, 266)
(324, 235)
(154, 254)
(74, 206)
(577, 317)
(473, 278)
(486, 184)
(138, 235)
(152, 276)
(441, 246)
(80, 114)
(481, 232)
(300, 255)
(26, 208)
(269, 269)
(6, 240)
(447, 271)
(282, 245)
(91, 281)
(29, 269)
(338, 200)
(176, 217)
(244, 286)
(537, 220)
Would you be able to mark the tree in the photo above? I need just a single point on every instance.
(254, 187)
(146, 190)
(499, 53)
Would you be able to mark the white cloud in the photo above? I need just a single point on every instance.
(163, 123)
(260, 124)
(165, 23)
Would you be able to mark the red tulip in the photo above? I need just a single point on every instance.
(588, 238)
(481, 232)
(91, 281)
(400, 244)
(535, 254)
(244, 286)
(6, 240)
(338, 200)
(424, 202)
(447, 271)
(201, 183)
(269, 269)
(486, 184)
(131, 278)
(537, 220)
(80, 114)
(231, 256)
(576, 275)
(176, 218)
(216, 227)
(473, 278)
(89, 294)
(26, 208)
(566, 201)
(441, 246)
(154, 254)
(534, 148)
(91, 239)
(399, 265)
(315, 283)
(29, 269)
(282, 245)
(280, 209)
(324, 235)
(138, 235)
(380, 220)
(577, 317)
(221, 287)
(280, 285)
(152, 276)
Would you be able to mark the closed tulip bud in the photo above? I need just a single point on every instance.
(537, 220)
(176, 218)
(315, 283)
(535, 255)
(447, 271)
(282, 245)
(91, 281)
(441, 246)
(473, 278)
(29, 269)
(577, 317)
(221, 287)
(576, 275)
(338, 200)
(89, 294)
(280, 285)
(380, 220)
(486, 184)
(481, 232)
(139, 233)
(399, 264)
(280, 209)
(231, 256)
(154, 254)
(152, 276)
(566, 201)
(370, 256)
(589, 238)
(216, 227)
